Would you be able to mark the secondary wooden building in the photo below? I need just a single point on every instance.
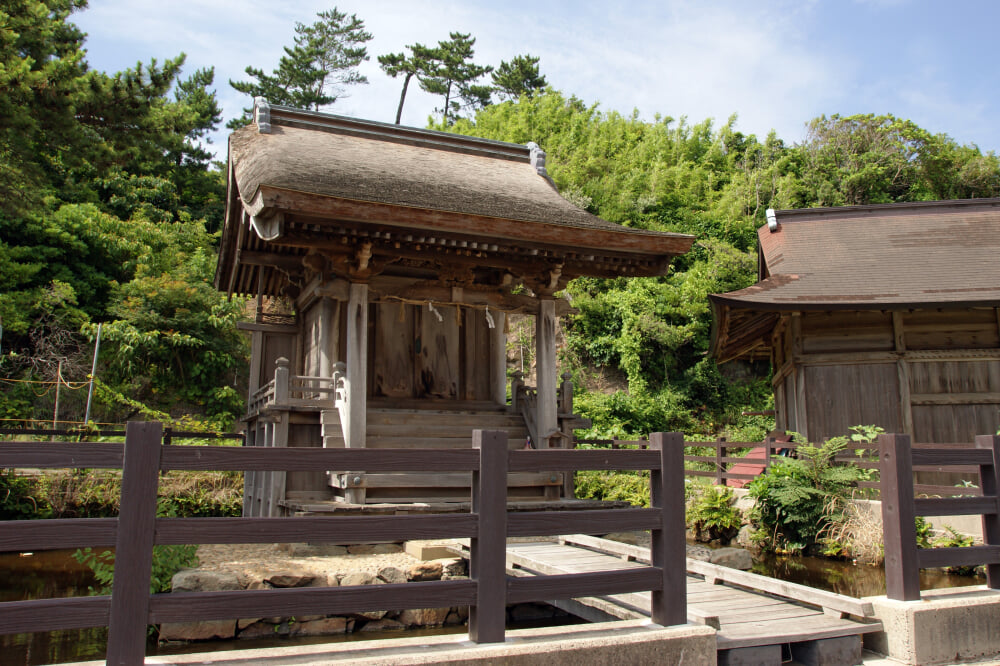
(886, 315)
(397, 254)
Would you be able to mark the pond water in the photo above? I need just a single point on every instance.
(56, 574)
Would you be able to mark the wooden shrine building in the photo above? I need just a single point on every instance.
(882, 315)
(398, 254)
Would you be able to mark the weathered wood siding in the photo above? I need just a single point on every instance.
(932, 374)
(841, 396)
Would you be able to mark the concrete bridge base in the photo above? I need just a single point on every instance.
(623, 643)
(944, 627)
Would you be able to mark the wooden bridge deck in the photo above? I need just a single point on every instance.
(734, 602)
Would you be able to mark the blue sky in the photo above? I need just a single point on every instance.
(775, 63)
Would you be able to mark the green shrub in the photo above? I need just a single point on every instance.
(793, 498)
(712, 515)
(167, 560)
(631, 487)
(955, 539)
(19, 499)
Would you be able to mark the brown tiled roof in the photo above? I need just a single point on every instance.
(928, 255)
(915, 255)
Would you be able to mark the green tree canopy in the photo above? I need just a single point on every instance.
(518, 77)
(416, 64)
(453, 75)
(315, 71)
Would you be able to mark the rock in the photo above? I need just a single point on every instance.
(425, 571)
(734, 558)
(453, 618)
(321, 627)
(197, 631)
(290, 579)
(312, 549)
(358, 578)
(424, 617)
(243, 624)
(258, 585)
(463, 612)
(384, 624)
(375, 549)
(452, 567)
(391, 575)
(283, 629)
(745, 537)
(371, 615)
(322, 580)
(200, 580)
(256, 630)
(699, 553)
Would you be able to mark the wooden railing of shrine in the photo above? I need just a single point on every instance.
(130, 607)
(903, 560)
(288, 391)
(719, 465)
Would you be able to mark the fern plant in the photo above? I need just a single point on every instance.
(712, 515)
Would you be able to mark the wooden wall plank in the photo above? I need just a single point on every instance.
(438, 361)
(266, 458)
(393, 361)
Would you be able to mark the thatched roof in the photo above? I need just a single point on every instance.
(335, 169)
(941, 254)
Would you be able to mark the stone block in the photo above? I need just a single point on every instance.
(452, 567)
(945, 626)
(197, 631)
(358, 578)
(257, 630)
(312, 549)
(429, 550)
(391, 575)
(384, 624)
(322, 627)
(424, 617)
(200, 580)
(290, 579)
(425, 571)
(843, 651)
(734, 558)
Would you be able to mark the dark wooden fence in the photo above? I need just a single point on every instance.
(903, 559)
(720, 463)
(169, 434)
(130, 607)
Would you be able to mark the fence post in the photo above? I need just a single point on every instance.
(134, 544)
(720, 466)
(488, 550)
(989, 481)
(282, 377)
(902, 574)
(668, 551)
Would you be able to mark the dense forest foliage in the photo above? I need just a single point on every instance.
(110, 207)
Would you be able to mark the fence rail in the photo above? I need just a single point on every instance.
(130, 607)
(903, 560)
(720, 464)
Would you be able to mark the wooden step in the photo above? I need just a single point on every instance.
(433, 443)
(439, 430)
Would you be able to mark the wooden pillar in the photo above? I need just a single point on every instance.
(668, 605)
(488, 549)
(989, 476)
(546, 421)
(903, 373)
(902, 574)
(498, 349)
(356, 379)
(329, 322)
(134, 545)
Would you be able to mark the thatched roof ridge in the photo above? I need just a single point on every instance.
(368, 161)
